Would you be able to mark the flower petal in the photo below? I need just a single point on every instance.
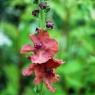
(29, 70)
(39, 70)
(26, 48)
(43, 35)
(34, 38)
(54, 79)
(40, 57)
(51, 46)
(48, 85)
(53, 63)
(37, 80)
(51, 79)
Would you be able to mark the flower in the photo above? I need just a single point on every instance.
(44, 72)
(49, 24)
(35, 12)
(43, 5)
(44, 47)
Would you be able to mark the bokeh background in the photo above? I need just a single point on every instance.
(75, 32)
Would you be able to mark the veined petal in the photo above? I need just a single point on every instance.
(48, 85)
(51, 46)
(43, 35)
(54, 79)
(40, 57)
(29, 70)
(53, 63)
(39, 71)
(34, 38)
(26, 48)
(37, 80)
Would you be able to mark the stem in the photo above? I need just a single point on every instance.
(42, 17)
(41, 90)
(42, 26)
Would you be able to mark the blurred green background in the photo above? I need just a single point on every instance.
(75, 32)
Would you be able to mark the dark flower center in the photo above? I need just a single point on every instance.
(38, 45)
(49, 72)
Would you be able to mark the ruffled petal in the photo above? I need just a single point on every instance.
(37, 80)
(53, 63)
(54, 79)
(26, 48)
(43, 35)
(48, 85)
(40, 57)
(51, 46)
(49, 80)
(29, 70)
(34, 38)
(39, 70)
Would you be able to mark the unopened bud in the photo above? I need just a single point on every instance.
(43, 5)
(37, 29)
(49, 24)
(35, 12)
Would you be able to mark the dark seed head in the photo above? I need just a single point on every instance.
(49, 24)
(35, 12)
(43, 5)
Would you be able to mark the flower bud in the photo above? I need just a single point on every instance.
(37, 29)
(43, 5)
(49, 24)
(35, 12)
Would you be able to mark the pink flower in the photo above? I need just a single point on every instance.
(44, 47)
(44, 72)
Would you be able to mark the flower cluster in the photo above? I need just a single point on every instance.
(44, 49)
(43, 63)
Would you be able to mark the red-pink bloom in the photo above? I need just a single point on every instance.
(44, 72)
(44, 47)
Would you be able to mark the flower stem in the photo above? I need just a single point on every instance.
(42, 17)
(41, 90)
(42, 26)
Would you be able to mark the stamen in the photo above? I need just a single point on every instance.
(38, 45)
(49, 72)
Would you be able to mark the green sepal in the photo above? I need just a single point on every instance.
(47, 10)
(36, 1)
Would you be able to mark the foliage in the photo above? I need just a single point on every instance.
(75, 32)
